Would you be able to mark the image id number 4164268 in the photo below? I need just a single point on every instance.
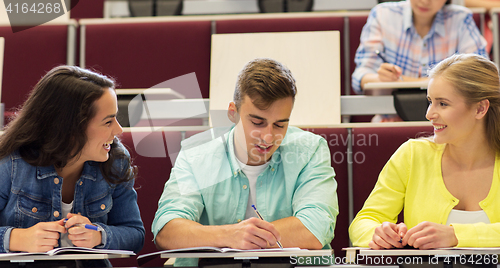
(473, 259)
(34, 8)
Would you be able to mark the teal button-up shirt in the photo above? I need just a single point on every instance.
(207, 185)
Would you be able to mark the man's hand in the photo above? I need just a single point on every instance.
(252, 233)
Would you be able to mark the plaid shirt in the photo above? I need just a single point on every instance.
(390, 29)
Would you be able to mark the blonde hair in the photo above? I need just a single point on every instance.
(475, 78)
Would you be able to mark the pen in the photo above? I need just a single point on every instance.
(260, 217)
(88, 226)
(381, 56)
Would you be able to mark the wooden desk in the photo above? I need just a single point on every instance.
(249, 255)
(386, 85)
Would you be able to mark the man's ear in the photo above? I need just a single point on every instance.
(232, 113)
(482, 108)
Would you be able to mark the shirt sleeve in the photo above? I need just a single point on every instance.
(366, 60)
(124, 228)
(385, 201)
(315, 201)
(181, 197)
(477, 235)
(470, 39)
(5, 188)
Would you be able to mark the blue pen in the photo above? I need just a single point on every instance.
(87, 226)
(260, 217)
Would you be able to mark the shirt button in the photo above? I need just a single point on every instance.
(235, 173)
(245, 187)
(34, 209)
(239, 220)
(103, 206)
(272, 169)
(56, 180)
(81, 182)
(425, 44)
(56, 214)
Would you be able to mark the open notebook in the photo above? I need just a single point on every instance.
(215, 249)
(69, 250)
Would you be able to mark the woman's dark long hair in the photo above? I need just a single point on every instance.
(50, 128)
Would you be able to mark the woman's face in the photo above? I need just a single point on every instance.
(426, 9)
(453, 119)
(102, 128)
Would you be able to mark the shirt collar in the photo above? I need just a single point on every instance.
(407, 16)
(437, 24)
(90, 171)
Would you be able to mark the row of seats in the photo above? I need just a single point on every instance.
(370, 150)
(142, 52)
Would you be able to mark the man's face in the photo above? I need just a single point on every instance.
(259, 133)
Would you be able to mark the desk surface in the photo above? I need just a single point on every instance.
(386, 85)
(242, 255)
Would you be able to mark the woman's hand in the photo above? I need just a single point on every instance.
(388, 235)
(40, 237)
(428, 235)
(389, 72)
(79, 235)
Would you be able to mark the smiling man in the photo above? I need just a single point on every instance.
(286, 172)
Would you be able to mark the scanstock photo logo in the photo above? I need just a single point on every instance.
(26, 14)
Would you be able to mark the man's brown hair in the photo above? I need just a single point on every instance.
(264, 81)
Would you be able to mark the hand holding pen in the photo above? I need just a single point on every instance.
(260, 217)
(388, 72)
(87, 226)
(88, 236)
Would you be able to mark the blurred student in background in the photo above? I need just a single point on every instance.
(410, 36)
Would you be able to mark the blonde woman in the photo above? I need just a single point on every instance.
(448, 183)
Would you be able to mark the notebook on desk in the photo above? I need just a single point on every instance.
(68, 250)
(218, 250)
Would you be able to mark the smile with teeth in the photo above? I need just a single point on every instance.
(107, 145)
(439, 127)
(263, 147)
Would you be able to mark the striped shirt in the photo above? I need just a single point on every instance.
(390, 29)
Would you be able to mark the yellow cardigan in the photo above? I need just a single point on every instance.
(412, 179)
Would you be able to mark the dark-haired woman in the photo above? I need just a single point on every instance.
(62, 165)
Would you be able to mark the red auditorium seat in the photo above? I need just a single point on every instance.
(82, 9)
(29, 54)
(153, 173)
(372, 148)
(337, 142)
(143, 54)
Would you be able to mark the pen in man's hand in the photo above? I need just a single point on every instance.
(260, 217)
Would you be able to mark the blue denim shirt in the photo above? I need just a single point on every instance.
(32, 194)
(207, 185)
